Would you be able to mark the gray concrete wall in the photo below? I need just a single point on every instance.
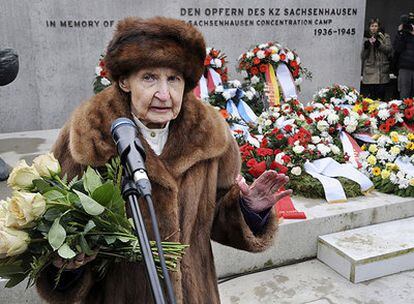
(58, 62)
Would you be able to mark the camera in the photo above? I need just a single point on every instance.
(407, 22)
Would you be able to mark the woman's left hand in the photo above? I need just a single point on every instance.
(263, 193)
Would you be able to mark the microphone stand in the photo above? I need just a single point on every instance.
(131, 194)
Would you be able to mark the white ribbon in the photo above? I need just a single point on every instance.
(203, 83)
(365, 137)
(203, 87)
(246, 134)
(325, 169)
(405, 165)
(284, 76)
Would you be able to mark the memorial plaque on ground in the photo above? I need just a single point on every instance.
(59, 44)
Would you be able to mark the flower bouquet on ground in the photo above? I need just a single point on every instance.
(48, 216)
(390, 163)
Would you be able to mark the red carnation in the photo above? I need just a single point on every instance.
(251, 162)
(275, 131)
(409, 113)
(264, 143)
(263, 68)
(103, 73)
(214, 53)
(254, 70)
(258, 169)
(277, 151)
(273, 165)
(224, 78)
(282, 57)
(286, 158)
(207, 61)
(256, 49)
(264, 151)
(390, 121)
(409, 102)
(101, 63)
(280, 136)
(288, 128)
(293, 64)
(384, 128)
(256, 60)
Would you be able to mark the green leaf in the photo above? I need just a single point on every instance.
(16, 280)
(56, 235)
(89, 226)
(109, 239)
(91, 180)
(85, 246)
(42, 185)
(8, 270)
(54, 212)
(90, 205)
(103, 194)
(65, 252)
(54, 195)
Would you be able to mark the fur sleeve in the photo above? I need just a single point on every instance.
(75, 294)
(229, 226)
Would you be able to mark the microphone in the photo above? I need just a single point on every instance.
(131, 152)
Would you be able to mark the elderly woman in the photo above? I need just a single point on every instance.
(192, 160)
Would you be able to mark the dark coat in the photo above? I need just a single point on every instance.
(376, 59)
(194, 192)
(404, 49)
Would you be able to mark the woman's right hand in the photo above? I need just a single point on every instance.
(75, 263)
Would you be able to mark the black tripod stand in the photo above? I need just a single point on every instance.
(136, 184)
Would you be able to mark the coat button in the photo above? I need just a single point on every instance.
(152, 134)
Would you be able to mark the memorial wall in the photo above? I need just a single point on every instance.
(59, 44)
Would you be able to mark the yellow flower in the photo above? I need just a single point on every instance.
(372, 160)
(372, 107)
(394, 137)
(368, 100)
(372, 148)
(364, 148)
(410, 136)
(22, 176)
(408, 145)
(391, 166)
(357, 107)
(412, 182)
(395, 151)
(376, 171)
(385, 174)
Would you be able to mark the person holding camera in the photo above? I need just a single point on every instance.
(375, 57)
(404, 49)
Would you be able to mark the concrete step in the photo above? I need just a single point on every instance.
(370, 252)
(312, 282)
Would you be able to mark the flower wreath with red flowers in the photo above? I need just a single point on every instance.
(337, 95)
(216, 60)
(101, 80)
(253, 63)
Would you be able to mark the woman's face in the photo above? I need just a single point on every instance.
(373, 28)
(156, 95)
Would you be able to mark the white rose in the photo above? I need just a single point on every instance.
(249, 95)
(298, 149)
(244, 74)
(275, 57)
(279, 158)
(316, 139)
(105, 81)
(22, 176)
(268, 122)
(236, 83)
(219, 89)
(23, 208)
(217, 62)
(323, 149)
(12, 242)
(255, 79)
(98, 71)
(226, 95)
(383, 114)
(298, 81)
(322, 125)
(260, 54)
(249, 54)
(296, 171)
(263, 46)
(335, 150)
(290, 56)
(332, 118)
(46, 165)
(253, 90)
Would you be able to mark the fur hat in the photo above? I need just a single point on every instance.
(156, 42)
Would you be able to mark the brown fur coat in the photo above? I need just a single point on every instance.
(194, 194)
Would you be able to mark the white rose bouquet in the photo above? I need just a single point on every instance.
(47, 217)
